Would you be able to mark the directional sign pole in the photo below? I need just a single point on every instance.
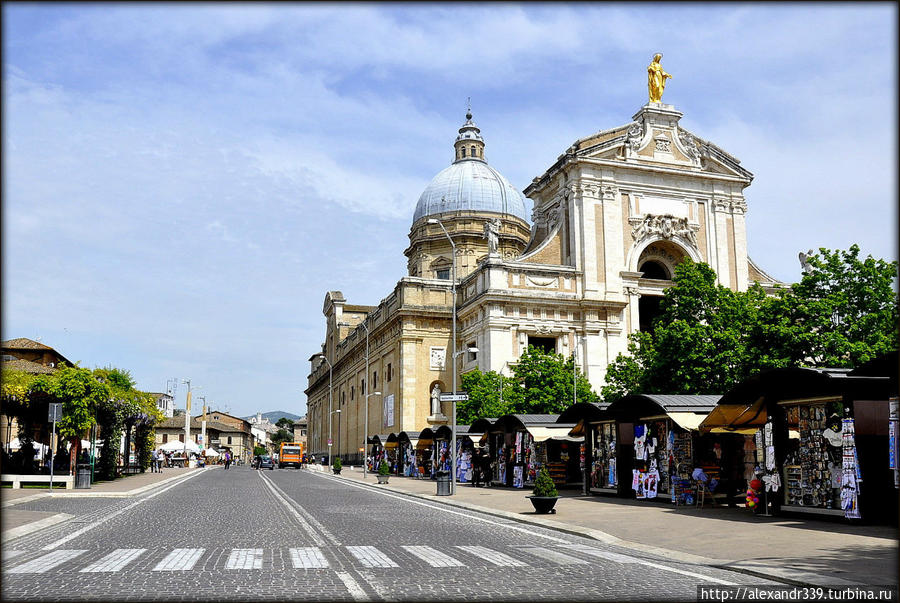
(55, 412)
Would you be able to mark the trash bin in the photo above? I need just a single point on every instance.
(443, 483)
(83, 476)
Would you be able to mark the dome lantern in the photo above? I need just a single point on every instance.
(469, 144)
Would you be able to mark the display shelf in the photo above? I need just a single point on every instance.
(557, 473)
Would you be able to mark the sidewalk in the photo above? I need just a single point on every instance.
(807, 551)
(18, 522)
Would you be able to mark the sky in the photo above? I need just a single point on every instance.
(183, 183)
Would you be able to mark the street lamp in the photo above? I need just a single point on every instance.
(576, 341)
(453, 356)
(325, 358)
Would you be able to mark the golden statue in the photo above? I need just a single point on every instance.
(656, 79)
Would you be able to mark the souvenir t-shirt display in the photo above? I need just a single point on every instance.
(809, 478)
(603, 468)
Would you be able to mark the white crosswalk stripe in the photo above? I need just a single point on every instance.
(433, 557)
(308, 557)
(554, 556)
(179, 560)
(370, 556)
(495, 557)
(115, 561)
(609, 556)
(46, 562)
(11, 554)
(244, 559)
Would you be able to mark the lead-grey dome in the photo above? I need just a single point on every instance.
(470, 184)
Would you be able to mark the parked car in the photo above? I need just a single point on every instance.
(263, 461)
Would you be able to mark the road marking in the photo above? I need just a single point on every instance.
(244, 559)
(371, 556)
(285, 501)
(629, 559)
(554, 556)
(11, 554)
(47, 562)
(115, 561)
(306, 514)
(179, 560)
(492, 556)
(106, 518)
(308, 557)
(444, 511)
(353, 586)
(433, 557)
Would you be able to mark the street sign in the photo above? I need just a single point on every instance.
(454, 397)
(329, 441)
(55, 413)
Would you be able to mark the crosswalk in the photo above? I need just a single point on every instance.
(307, 558)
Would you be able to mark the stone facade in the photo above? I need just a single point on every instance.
(612, 218)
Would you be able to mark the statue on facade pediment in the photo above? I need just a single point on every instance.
(492, 234)
(656, 79)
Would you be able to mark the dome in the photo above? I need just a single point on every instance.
(470, 184)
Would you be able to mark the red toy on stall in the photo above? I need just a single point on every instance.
(753, 493)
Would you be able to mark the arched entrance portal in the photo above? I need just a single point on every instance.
(657, 263)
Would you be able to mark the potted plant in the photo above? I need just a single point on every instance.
(336, 465)
(383, 472)
(544, 496)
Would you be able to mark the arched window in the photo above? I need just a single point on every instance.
(463, 151)
(654, 270)
(473, 153)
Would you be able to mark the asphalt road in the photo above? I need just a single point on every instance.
(247, 535)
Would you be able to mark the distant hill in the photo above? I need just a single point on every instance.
(274, 415)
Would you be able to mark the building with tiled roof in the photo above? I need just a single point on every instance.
(33, 352)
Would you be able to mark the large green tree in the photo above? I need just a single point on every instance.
(542, 383)
(708, 338)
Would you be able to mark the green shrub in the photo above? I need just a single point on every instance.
(384, 469)
(543, 484)
(337, 463)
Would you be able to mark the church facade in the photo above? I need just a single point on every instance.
(611, 219)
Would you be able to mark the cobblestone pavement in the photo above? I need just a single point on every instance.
(245, 535)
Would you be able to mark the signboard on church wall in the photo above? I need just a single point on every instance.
(388, 413)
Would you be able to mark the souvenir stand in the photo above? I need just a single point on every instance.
(425, 454)
(600, 446)
(465, 449)
(377, 450)
(821, 438)
(392, 453)
(440, 449)
(406, 442)
(486, 428)
(657, 445)
(527, 442)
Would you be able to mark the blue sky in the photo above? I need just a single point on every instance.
(182, 183)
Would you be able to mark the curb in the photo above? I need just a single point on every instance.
(34, 526)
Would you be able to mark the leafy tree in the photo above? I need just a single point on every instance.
(542, 383)
(258, 450)
(14, 388)
(282, 435)
(81, 395)
(708, 338)
(285, 423)
(546, 380)
(484, 396)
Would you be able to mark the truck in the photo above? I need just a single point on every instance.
(291, 454)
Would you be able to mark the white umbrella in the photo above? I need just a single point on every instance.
(210, 452)
(176, 446)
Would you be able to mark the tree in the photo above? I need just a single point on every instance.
(546, 380)
(282, 436)
(285, 423)
(708, 338)
(542, 383)
(81, 395)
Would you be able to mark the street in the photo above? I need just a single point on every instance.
(291, 534)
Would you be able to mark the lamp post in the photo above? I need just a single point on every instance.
(366, 384)
(187, 420)
(453, 356)
(330, 368)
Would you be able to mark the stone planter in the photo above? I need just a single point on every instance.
(383, 479)
(543, 504)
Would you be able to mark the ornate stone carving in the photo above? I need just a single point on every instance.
(543, 330)
(536, 281)
(608, 193)
(631, 291)
(635, 135)
(687, 141)
(665, 226)
(663, 144)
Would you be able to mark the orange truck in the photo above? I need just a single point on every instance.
(291, 454)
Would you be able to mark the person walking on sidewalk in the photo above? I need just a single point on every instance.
(160, 457)
(227, 460)
(154, 461)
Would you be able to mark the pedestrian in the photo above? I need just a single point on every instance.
(160, 458)
(154, 461)
(227, 459)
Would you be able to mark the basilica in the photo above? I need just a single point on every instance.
(612, 217)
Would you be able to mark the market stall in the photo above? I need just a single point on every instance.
(597, 432)
(406, 442)
(520, 444)
(661, 454)
(822, 438)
